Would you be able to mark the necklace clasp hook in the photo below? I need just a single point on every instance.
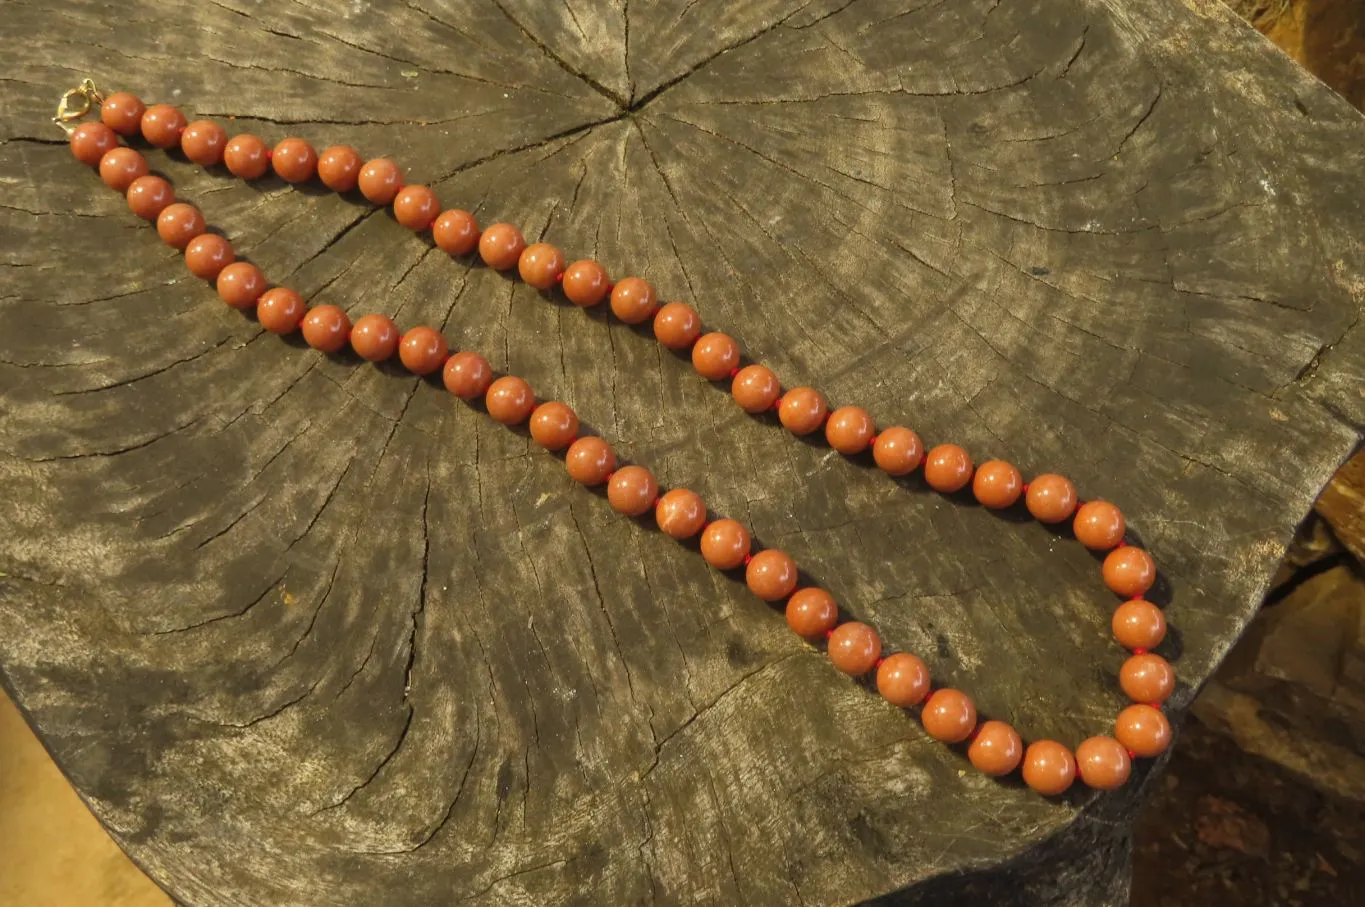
(76, 103)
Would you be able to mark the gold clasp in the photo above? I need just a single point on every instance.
(75, 103)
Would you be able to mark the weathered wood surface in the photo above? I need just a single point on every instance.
(305, 632)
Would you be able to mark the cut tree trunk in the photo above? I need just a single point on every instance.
(303, 630)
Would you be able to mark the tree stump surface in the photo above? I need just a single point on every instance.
(307, 631)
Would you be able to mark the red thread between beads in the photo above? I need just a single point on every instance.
(878, 663)
(1132, 755)
(734, 372)
(269, 153)
(1024, 488)
(1139, 651)
(747, 558)
(559, 278)
(828, 634)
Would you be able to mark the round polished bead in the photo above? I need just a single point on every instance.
(997, 484)
(179, 223)
(339, 168)
(120, 166)
(541, 265)
(633, 300)
(586, 283)
(947, 468)
(1143, 731)
(854, 647)
(246, 156)
(122, 112)
(590, 461)
(374, 337)
(677, 325)
(162, 125)
(416, 207)
(771, 575)
(1129, 571)
(996, 749)
(203, 142)
(680, 513)
(294, 160)
(715, 356)
(148, 196)
(501, 246)
(455, 231)
(1139, 624)
(802, 410)
(554, 425)
(423, 350)
(755, 388)
(326, 328)
(849, 430)
(208, 254)
(1049, 767)
(1099, 525)
(510, 400)
(280, 310)
(949, 716)
(897, 451)
(92, 141)
(811, 613)
(903, 679)
(1051, 498)
(725, 544)
(632, 490)
(380, 180)
(467, 375)
(1103, 763)
(240, 284)
(1147, 678)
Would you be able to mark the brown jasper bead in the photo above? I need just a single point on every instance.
(423, 350)
(162, 125)
(755, 388)
(849, 430)
(1139, 624)
(120, 166)
(996, 750)
(633, 300)
(903, 679)
(467, 375)
(280, 310)
(501, 246)
(854, 647)
(1129, 571)
(715, 356)
(632, 490)
(1143, 731)
(949, 716)
(294, 160)
(1147, 678)
(326, 328)
(455, 231)
(122, 112)
(246, 156)
(416, 207)
(203, 142)
(948, 468)
(680, 513)
(339, 168)
(148, 196)
(510, 400)
(677, 325)
(208, 254)
(541, 265)
(771, 575)
(92, 141)
(1051, 498)
(374, 337)
(997, 484)
(179, 223)
(898, 451)
(725, 544)
(590, 460)
(240, 284)
(811, 612)
(1049, 767)
(1103, 763)
(586, 283)
(1099, 525)
(380, 180)
(802, 410)
(554, 425)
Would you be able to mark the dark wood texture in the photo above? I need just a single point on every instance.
(304, 631)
